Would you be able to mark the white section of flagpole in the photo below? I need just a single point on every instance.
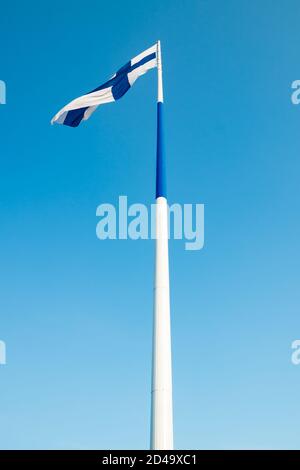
(161, 398)
(160, 93)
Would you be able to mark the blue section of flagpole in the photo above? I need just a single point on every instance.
(161, 190)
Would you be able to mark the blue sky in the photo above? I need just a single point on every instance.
(76, 312)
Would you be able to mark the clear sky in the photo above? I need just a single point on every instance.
(76, 312)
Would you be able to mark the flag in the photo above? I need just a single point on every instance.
(81, 108)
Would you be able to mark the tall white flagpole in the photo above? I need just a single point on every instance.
(161, 399)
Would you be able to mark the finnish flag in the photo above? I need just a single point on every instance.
(81, 108)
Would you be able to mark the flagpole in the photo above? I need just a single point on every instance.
(161, 397)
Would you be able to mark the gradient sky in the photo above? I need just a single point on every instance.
(76, 312)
